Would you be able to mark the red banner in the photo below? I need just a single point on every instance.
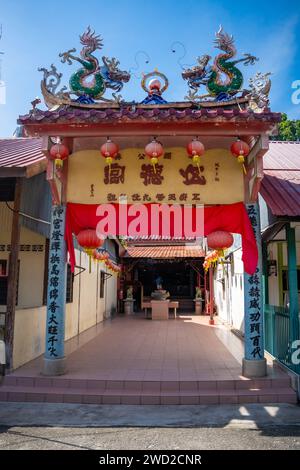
(232, 218)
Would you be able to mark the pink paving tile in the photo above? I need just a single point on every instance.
(42, 382)
(188, 385)
(287, 398)
(111, 399)
(209, 400)
(54, 398)
(96, 384)
(92, 399)
(281, 382)
(133, 385)
(72, 398)
(114, 385)
(36, 397)
(25, 381)
(247, 398)
(10, 380)
(151, 385)
(150, 399)
(60, 383)
(16, 396)
(207, 385)
(130, 399)
(189, 400)
(244, 384)
(3, 396)
(169, 386)
(170, 400)
(228, 399)
(225, 385)
(268, 398)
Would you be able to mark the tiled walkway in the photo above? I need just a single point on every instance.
(133, 348)
(132, 360)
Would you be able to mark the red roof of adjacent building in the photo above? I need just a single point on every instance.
(184, 251)
(280, 186)
(19, 154)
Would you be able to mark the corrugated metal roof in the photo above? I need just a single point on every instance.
(280, 186)
(20, 152)
(164, 252)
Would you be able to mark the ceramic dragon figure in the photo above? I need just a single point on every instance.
(90, 81)
(223, 79)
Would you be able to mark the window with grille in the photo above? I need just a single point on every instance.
(102, 281)
(70, 281)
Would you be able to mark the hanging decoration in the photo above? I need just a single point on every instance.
(89, 241)
(59, 152)
(109, 151)
(100, 255)
(211, 260)
(240, 150)
(195, 149)
(154, 150)
(219, 240)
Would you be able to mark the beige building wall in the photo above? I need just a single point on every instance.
(86, 310)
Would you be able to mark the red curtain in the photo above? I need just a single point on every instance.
(232, 218)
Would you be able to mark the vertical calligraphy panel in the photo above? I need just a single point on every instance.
(254, 364)
(56, 295)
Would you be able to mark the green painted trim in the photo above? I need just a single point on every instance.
(265, 272)
(280, 265)
(292, 278)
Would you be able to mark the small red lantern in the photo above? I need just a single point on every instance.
(154, 150)
(240, 150)
(195, 149)
(58, 153)
(219, 241)
(89, 241)
(109, 151)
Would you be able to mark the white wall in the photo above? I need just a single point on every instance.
(86, 310)
(229, 292)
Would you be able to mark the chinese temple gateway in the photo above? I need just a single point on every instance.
(202, 154)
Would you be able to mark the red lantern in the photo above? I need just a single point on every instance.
(195, 149)
(154, 150)
(240, 150)
(89, 241)
(58, 153)
(109, 151)
(219, 241)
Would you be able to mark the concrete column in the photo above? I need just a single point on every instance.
(54, 360)
(254, 362)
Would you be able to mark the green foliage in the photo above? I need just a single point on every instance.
(288, 129)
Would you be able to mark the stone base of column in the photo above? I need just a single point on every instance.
(254, 368)
(54, 366)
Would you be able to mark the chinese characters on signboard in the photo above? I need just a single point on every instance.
(55, 263)
(253, 298)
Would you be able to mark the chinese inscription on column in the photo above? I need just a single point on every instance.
(253, 297)
(56, 286)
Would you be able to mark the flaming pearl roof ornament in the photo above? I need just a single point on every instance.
(154, 83)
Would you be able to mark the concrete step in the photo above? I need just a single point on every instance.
(62, 390)
(182, 385)
(134, 397)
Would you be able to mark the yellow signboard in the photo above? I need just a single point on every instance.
(175, 179)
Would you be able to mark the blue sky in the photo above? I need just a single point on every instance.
(34, 32)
